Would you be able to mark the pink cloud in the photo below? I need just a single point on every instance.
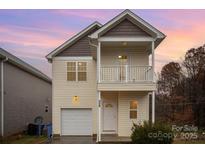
(31, 36)
(184, 30)
(89, 14)
(179, 40)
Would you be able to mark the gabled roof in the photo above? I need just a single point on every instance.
(72, 40)
(127, 14)
(22, 65)
(134, 18)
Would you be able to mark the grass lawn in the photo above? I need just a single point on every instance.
(26, 140)
(189, 142)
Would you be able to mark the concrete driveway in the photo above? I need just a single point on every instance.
(74, 140)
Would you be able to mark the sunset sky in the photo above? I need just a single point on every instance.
(32, 34)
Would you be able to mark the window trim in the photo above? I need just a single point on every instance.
(70, 71)
(81, 71)
(133, 109)
(76, 71)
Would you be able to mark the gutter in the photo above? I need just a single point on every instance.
(2, 95)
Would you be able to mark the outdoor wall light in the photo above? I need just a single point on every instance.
(122, 57)
(75, 99)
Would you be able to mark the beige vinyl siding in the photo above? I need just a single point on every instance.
(63, 91)
(124, 122)
(135, 55)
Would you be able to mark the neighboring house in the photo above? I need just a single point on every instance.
(25, 94)
(102, 77)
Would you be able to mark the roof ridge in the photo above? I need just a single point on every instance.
(123, 14)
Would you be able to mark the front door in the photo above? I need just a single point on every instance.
(109, 117)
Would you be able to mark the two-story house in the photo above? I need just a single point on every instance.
(103, 76)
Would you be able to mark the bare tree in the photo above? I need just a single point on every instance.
(184, 88)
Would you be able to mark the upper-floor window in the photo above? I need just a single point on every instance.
(76, 71)
(133, 110)
(71, 71)
(82, 74)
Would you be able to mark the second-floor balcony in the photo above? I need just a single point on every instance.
(125, 74)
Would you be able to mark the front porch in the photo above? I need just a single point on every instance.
(117, 111)
(125, 74)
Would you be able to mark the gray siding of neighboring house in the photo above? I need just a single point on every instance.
(25, 98)
(81, 47)
(126, 28)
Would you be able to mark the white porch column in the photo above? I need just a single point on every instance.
(153, 107)
(153, 92)
(98, 61)
(153, 62)
(99, 104)
(98, 92)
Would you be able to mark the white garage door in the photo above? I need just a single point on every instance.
(76, 122)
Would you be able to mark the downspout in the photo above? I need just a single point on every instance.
(2, 96)
(98, 93)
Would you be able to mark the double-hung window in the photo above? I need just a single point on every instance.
(133, 109)
(82, 74)
(76, 71)
(71, 71)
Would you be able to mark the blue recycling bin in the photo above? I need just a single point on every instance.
(49, 130)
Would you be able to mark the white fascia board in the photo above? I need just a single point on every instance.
(146, 24)
(137, 18)
(58, 49)
(126, 39)
(74, 58)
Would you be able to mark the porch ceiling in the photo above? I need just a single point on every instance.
(125, 44)
(143, 46)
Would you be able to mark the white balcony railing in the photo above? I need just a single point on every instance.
(125, 73)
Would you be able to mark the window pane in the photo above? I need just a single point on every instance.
(82, 66)
(133, 114)
(82, 76)
(71, 76)
(133, 105)
(71, 66)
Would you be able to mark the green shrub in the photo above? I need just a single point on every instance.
(149, 133)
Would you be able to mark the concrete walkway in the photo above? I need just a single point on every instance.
(114, 139)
